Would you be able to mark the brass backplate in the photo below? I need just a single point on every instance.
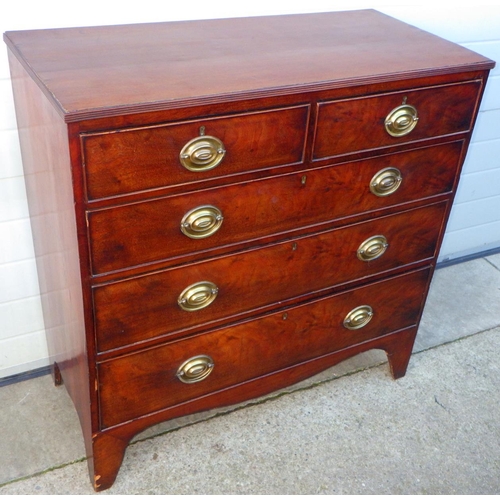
(358, 318)
(201, 222)
(195, 369)
(386, 181)
(372, 248)
(197, 296)
(401, 120)
(202, 153)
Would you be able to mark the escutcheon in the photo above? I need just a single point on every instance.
(195, 369)
(372, 248)
(201, 222)
(358, 317)
(401, 120)
(198, 296)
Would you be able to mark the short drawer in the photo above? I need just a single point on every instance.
(160, 377)
(360, 124)
(132, 235)
(149, 306)
(124, 161)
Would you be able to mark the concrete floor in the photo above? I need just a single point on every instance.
(349, 430)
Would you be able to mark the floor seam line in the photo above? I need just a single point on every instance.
(456, 340)
(42, 472)
(253, 403)
(491, 264)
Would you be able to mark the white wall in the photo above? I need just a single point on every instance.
(475, 221)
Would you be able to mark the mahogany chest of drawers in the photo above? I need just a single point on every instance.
(223, 208)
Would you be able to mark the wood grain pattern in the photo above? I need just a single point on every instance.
(358, 124)
(300, 102)
(137, 384)
(110, 442)
(140, 233)
(151, 66)
(130, 160)
(133, 310)
(46, 161)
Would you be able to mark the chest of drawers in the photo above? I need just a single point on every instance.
(223, 208)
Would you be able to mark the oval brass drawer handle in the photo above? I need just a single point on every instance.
(201, 222)
(202, 153)
(195, 369)
(198, 296)
(372, 248)
(386, 181)
(401, 120)
(358, 317)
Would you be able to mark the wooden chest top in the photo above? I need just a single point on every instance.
(99, 72)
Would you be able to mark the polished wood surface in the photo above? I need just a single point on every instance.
(103, 71)
(358, 124)
(131, 160)
(141, 383)
(110, 444)
(300, 104)
(46, 159)
(135, 310)
(262, 208)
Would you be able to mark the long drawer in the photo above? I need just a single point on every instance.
(157, 378)
(373, 122)
(139, 233)
(124, 161)
(144, 307)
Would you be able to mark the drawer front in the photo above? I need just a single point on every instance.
(145, 307)
(126, 161)
(359, 124)
(140, 233)
(144, 382)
